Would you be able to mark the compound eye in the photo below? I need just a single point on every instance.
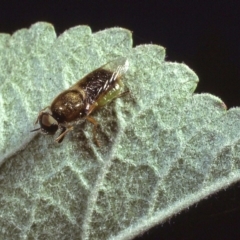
(48, 124)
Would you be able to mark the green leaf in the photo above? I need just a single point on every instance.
(163, 147)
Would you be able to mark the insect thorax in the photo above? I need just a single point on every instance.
(67, 107)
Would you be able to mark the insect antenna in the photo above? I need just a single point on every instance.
(34, 130)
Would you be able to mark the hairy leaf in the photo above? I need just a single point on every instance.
(163, 147)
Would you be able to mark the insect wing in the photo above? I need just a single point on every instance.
(98, 83)
(117, 68)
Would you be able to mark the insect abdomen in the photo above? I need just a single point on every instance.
(97, 84)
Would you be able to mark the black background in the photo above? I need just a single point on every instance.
(203, 34)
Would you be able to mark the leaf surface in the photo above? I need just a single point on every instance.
(163, 147)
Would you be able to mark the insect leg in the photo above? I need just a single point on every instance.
(95, 124)
(122, 94)
(63, 133)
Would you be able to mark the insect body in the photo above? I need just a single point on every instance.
(77, 103)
